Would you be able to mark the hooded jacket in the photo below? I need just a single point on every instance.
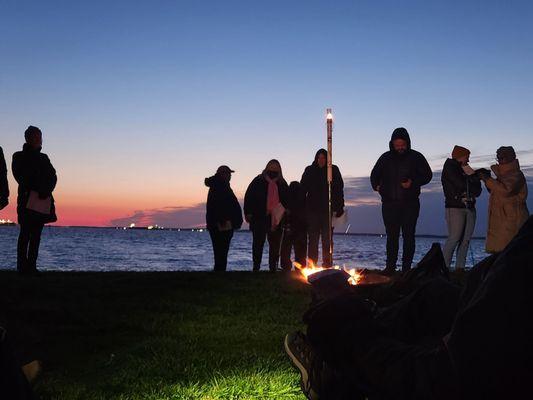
(457, 185)
(392, 168)
(507, 205)
(255, 198)
(33, 171)
(4, 187)
(315, 186)
(222, 204)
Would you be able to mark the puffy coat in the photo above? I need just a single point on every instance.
(507, 205)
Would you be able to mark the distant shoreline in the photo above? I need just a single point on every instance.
(145, 228)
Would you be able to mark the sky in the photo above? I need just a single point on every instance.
(140, 101)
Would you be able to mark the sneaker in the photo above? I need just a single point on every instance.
(303, 358)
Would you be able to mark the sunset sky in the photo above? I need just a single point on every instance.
(140, 101)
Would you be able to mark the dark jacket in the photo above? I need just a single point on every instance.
(33, 171)
(315, 185)
(296, 217)
(255, 198)
(457, 185)
(4, 187)
(222, 205)
(393, 168)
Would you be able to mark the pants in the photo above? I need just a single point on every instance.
(400, 216)
(298, 240)
(318, 227)
(28, 246)
(221, 241)
(461, 223)
(260, 232)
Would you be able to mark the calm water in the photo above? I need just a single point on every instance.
(100, 249)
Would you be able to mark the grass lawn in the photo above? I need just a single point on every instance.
(176, 335)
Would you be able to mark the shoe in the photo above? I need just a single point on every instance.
(389, 271)
(303, 358)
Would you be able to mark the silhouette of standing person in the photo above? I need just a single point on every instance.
(223, 214)
(294, 228)
(315, 186)
(398, 176)
(264, 204)
(4, 187)
(37, 179)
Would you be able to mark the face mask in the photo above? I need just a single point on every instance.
(272, 174)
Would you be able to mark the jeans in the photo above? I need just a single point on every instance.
(400, 216)
(461, 223)
(28, 246)
(221, 241)
(261, 231)
(318, 227)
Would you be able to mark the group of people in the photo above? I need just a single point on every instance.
(283, 214)
(297, 215)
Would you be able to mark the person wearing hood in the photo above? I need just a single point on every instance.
(265, 202)
(37, 179)
(398, 176)
(4, 187)
(315, 186)
(223, 214)
(507, 202)
(461, 186)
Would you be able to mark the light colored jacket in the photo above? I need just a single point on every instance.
(507, 205)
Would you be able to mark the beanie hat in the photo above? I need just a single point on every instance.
(506, 153)
(459, 152)
(400, 133)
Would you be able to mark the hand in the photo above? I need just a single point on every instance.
(248, 218)
(377, 188)
(3, 202)
(339, 214)
(407, 184)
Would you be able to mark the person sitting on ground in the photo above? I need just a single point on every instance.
(265, 202)
(294, 228)
(461, 186)
(223, 215)
(4, 187)
(486, 354)
(508, 200)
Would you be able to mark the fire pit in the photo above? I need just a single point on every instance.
(332, 282)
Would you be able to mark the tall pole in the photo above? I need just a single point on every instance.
(329, 126)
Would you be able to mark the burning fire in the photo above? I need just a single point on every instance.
(354, 279)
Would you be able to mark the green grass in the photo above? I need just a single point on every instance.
(154, 336)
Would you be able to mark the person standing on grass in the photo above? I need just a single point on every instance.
(4, 187)
(294, 228)
(398, 176)
(223, 214)
(507, 203)
(265, 202)
(461, 187)
(37, 179)
(315, 186)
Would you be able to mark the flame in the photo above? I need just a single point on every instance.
(311, 268)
